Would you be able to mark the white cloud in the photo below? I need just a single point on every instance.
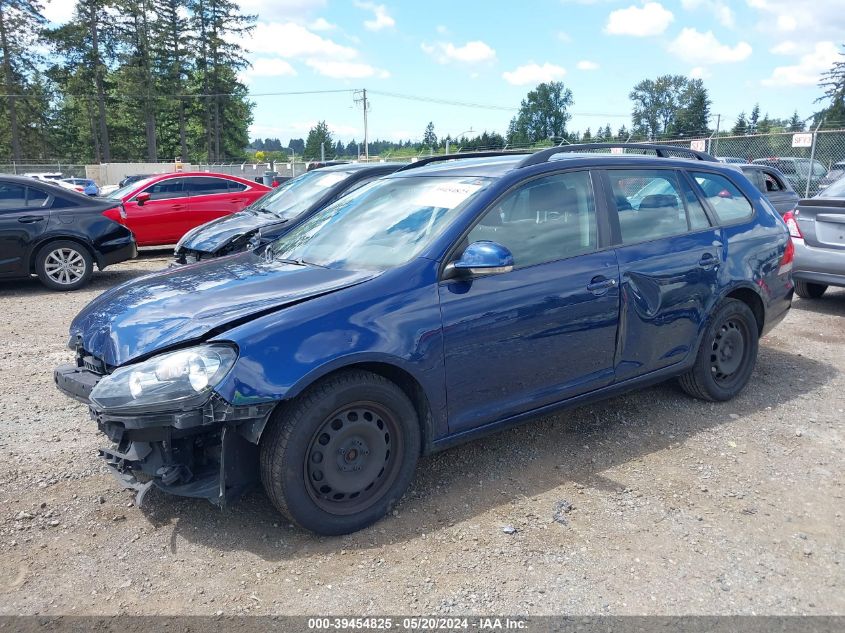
(290, 9)
(533, 74)
(650, 19)
(345, 70)
(564, 37)
(699, 72)
(470, 53)
(806, 21)
(381, 19)
(808, 69)
(291, 40)
(59, 11)
(784, 48)
(586, 64)
(717, 8)
(269, 67)
(321, 24)
(442, 30)
(787, 23)
(703, 48)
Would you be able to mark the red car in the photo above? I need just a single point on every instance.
(162, 208)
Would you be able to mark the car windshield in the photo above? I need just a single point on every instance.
(381, 225)
(127, 189)
(835, 190)
(293, 197)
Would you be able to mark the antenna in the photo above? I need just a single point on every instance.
(360, 98)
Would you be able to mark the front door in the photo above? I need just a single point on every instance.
(162, 219)
(668, 262)
(23, 217)
(545, 331)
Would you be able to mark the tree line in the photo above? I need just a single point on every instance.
(124, 79)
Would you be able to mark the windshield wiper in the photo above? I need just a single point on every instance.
(300, 262)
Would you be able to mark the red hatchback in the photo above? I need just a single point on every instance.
(162, 208)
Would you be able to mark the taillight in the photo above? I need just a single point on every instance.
(113, 214)
(788, 257)
(792, 224)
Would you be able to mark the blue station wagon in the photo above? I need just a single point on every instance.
(457, 296)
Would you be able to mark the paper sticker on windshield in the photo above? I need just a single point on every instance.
(332, 178)
(447, 195)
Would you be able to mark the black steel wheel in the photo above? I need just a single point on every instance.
(338, 457)
(727, 354)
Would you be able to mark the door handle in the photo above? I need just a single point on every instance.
(29, 219)
(708, 260)
(599, 285)
(176, 207)
(236, 200)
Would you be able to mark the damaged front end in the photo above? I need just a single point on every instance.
(201, 447)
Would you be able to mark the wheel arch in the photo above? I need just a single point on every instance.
(401, 377)
(46, 239)
(752, 299)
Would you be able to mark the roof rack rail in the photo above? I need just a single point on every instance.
(442, 157)
(663, 151)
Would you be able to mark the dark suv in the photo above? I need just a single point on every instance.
(458, 296)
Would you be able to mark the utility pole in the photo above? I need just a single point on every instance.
(362, 99)
(322, 151)
(716, 144)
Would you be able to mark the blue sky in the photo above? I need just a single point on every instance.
(492, 53)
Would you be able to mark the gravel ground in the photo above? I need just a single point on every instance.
(651, 503)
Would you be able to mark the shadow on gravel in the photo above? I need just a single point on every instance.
(832, 302)
(575, 446)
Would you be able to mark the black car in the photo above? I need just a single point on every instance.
(128, 180)
(58, 234)
(277, 212)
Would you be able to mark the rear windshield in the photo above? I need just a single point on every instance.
(835, 190)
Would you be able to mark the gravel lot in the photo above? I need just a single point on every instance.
(651, 503)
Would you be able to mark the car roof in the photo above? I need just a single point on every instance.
(498, 166)
(356, 167)
(48, 185)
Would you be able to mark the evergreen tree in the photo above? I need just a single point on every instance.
(694, 111)
(753, 119)
(796, 124)
(317, 135)
(429, 137)
(741, 125)
(542, 114)
(833, 83)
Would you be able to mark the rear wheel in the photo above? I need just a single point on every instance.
(64, 265)
(337, 458)
(806, 290)
(726, 356)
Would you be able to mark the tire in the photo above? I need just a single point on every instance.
(64, 265)
(719, 373)
(807, 290)
(338, 457)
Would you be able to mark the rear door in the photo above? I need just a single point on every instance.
(213, 197)
(23, 217)
(544, 331)
(165, 217)
(776, 188)
(669, 255)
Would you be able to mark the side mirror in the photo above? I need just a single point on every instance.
(481, 258)
(141, 198)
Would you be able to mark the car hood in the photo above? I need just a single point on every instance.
(184, 304)
(214, 235)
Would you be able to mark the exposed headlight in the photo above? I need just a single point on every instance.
(169, 379)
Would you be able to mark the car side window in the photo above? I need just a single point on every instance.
(772, 183)
(207, 185)
(166, 189)
(12, 197)
(729, 203)
(36, 198)
(653, 203)
(544, 220)
(235, 186)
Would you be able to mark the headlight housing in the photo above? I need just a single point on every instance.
(167, 381)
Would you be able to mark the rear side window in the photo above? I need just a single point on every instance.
(545, 220)
(772, 183)
(654, 203)
(725, 198)
(36, 198)
(235, 186)
(12, 197)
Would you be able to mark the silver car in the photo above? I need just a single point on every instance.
(817, 227)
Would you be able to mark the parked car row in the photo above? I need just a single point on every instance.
(441, 301)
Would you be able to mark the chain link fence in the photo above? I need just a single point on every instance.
(21, 168)
(809, 161)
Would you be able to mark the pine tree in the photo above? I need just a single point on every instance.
(429, 137)
(741, 125)
(796, 124)
(317, 135)
(753, 119)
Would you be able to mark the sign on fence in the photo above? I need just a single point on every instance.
(617, 150)
(802, 140)
(698, 145)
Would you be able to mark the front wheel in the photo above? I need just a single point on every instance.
(806, 290)
(338, 457)
(727, 354)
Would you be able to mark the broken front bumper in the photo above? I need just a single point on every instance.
(210, 451)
